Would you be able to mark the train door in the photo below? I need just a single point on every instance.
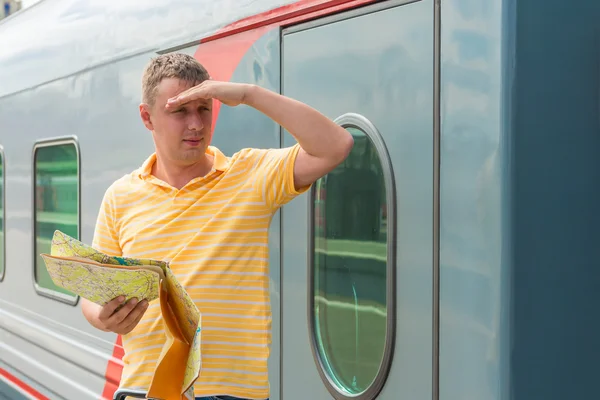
(357, 249)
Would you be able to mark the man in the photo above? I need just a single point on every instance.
(208, 215)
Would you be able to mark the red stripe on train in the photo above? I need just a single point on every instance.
(298, 11)
(22, 385)
(113, 370)
(221, 58)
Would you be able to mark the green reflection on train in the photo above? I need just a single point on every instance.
(56, 202)
(350, 260)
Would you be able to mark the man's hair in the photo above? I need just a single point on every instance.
(172, 65)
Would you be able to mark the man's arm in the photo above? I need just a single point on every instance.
(324, 144)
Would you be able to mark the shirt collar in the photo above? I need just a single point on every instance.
(221, 162)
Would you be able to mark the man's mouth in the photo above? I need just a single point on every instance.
(193, 141)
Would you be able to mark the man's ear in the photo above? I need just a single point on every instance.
(145, 115)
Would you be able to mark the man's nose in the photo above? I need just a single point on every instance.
(195, 122)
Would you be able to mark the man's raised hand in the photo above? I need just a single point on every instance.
(229, 93)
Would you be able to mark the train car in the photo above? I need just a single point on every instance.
(452, 256)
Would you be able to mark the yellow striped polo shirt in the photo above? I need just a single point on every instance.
(214, 234)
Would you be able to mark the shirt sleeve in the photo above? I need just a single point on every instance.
(274, 175)
(106, 238)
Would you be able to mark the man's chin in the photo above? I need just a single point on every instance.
(193, 155)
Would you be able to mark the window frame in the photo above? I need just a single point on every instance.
(3, 203)
(44, 143)
(360, 122)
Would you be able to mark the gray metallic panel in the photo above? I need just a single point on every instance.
(53, 359)
(383, 71)
(435, 361)
(3, 210)
(94, 33)
(474, 262)
(84, 352)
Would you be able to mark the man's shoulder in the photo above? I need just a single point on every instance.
(124, 184)
(247, 153)
(245, 158)
(255, 155)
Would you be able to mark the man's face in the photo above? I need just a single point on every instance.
(182, 134)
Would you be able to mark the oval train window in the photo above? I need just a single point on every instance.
(351, 307)
(57, 179)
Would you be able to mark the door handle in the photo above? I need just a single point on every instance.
(122, 394)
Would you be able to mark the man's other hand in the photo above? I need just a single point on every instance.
(111, 318)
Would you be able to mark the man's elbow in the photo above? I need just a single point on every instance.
(345, 145)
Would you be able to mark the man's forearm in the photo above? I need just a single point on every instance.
(317, 135)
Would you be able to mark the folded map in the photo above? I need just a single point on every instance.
(100, 278)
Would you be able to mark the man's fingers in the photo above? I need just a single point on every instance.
(132, 315)
(135, 316)
(117, 318)
(109, 308)
(195, 93)
(183, 97)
